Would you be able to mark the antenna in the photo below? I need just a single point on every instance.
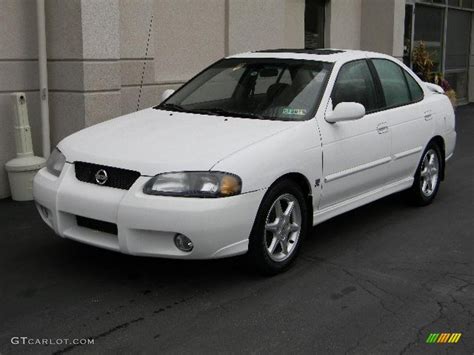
(145, 62)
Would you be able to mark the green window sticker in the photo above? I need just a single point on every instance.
(294, 111)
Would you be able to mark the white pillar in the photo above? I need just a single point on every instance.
(43, 78)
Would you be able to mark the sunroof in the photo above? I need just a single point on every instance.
(304, 50)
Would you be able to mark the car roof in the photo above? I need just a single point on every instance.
(330, 55)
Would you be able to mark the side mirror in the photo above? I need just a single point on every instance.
(167, 93)
(346, 111)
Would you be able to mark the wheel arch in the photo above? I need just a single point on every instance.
(439, 141)
(305, 186)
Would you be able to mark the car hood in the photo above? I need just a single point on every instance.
(153, 141)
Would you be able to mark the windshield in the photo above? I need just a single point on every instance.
(282, 89)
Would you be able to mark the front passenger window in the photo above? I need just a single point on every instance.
(354, 83)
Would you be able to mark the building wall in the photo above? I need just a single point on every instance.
(343, 24)
(18, 71)
(374, 25)
(97, 52)
(383, 27)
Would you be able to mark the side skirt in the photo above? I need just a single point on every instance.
(360, 200)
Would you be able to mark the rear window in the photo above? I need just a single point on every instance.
(394, 85)
(415, 89)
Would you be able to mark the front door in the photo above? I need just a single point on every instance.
(355, 153)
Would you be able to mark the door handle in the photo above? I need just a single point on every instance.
(428, 115)
(382, 128)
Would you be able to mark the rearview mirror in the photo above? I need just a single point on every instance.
(167, 93)
(268, 72)
(346, 111)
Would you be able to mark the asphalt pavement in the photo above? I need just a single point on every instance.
(376, 280)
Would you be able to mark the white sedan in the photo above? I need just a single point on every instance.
(250, 154)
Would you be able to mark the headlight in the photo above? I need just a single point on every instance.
(194, 184)
(56, 161)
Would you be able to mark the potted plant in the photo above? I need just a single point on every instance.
(423, 67)
(448, 90)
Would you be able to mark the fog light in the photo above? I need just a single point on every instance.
(183, 243)
(44, 212)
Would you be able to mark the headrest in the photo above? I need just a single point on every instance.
(276, 89)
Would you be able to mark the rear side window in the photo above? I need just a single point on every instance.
(394, 85)
(415, 89)
(354, 83)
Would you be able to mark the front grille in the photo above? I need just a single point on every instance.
(94, 224)
(116, 177)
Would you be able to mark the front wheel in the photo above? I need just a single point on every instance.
(427, 177)
(279, 228)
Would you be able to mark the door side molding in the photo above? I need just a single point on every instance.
(357, 169)
(407, 153)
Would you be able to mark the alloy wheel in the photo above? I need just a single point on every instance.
(282, 227)
(429, 174)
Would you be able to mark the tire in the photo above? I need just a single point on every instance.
(427, 176)
(278, 229)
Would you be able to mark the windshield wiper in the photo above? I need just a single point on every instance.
(171, 107)
(223, 112)
(211, 111)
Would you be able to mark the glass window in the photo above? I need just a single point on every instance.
(394, 84)
(355, 84)
(458, 42)
(285, 78)
(415, 90)
(314, 23)
(458, 81)
(429, 29)
(458, 39)
(221, 85)
(261, 88)
(267, 77)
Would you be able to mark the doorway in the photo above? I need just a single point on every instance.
(314, 24)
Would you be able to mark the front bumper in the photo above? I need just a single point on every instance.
(146, 224)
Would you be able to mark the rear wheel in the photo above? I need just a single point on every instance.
(279, 228)
(427, 177)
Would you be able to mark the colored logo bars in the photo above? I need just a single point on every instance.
(450, 338)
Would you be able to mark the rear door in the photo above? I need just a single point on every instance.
(409, 118)
(355, 153)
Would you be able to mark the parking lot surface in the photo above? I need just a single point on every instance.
(376, 280)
